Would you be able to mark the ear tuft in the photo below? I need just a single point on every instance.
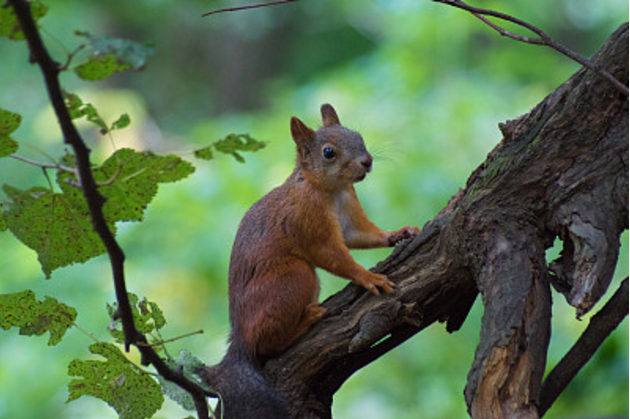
(329, 116)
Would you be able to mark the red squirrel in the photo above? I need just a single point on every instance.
(311, 220)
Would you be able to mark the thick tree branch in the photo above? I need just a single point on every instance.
(50, 70)
(599, 328)
(491, 239)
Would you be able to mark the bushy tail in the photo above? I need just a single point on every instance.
(244, 392)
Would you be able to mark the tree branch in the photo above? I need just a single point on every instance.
(599, 328)
(253, 6)
(543, 38)
(95, 201)
(490, 237)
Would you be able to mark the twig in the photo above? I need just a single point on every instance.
(95, 201)
(162, 342)
(598, 329)
(252, 6)
(543, 38)
(45, 165)
(71, 56)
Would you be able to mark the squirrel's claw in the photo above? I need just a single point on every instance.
(377, 281)
(404, 233)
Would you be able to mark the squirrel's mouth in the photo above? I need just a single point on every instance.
(361, 177)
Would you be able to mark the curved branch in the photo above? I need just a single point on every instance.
(543, 38)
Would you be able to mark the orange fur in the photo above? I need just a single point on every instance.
(311, 221)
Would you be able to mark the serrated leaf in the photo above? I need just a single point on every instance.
(188, 364)
(36, 317)
(9, 25)
(130, 180)
(57, 226)
(232, 144)
(126, 388)
(9, 122)
(147, 317)
(111, 55)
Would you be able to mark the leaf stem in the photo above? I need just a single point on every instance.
(45, 165)
(162, 342)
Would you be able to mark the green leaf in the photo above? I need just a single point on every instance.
(8, 146)
(3, 223)
(121, 123)
(99, 67)
(36, 317)
(57, 226)
(9, 122)
(122, 385)
(9, 25)
(232, 144)
(147, 317)
(78, 109)
(111, 55)
(130, 180)
(188, 365)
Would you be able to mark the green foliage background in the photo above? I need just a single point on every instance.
(425, 84)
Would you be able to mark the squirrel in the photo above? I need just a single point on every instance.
(312, 220)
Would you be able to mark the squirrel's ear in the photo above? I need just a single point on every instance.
(302, 135)
(329, 116)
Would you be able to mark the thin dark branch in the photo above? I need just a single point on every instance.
(543, 38)
(252, 6)
(600, 326)
(50, 70)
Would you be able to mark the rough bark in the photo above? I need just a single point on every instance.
(560, 171)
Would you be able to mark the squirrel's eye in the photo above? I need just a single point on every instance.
(328, 153)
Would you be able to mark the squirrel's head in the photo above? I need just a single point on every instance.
(332, 156)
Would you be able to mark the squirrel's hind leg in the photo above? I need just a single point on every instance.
(281, 310)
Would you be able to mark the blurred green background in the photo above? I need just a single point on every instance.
(424, 83)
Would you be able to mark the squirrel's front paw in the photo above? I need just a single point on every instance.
(375, 281)
(404, 233)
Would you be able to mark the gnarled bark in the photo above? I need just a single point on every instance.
(560, 171)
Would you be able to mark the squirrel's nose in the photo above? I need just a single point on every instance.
(367, 162)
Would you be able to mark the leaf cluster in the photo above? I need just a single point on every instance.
(56, 222)
(58, 226)
(147, 316)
